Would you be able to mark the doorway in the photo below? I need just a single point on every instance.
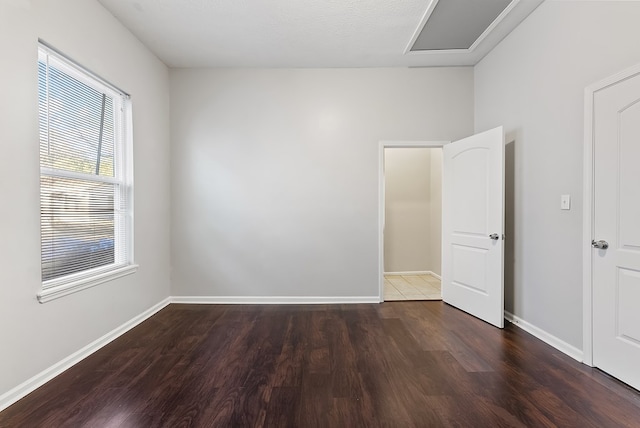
(472, 251)
(410, 214)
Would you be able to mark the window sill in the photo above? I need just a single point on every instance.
(84, 283)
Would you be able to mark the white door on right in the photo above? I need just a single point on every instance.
(616, 268)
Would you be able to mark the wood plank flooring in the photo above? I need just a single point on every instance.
(406, 364)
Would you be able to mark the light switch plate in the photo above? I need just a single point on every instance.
(565, 202)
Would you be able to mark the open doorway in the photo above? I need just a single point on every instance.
(411, 211)
(472, 248)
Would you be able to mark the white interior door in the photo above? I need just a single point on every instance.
(473, 225)
(616, 221)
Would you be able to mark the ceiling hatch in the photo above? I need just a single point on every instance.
(458, 25)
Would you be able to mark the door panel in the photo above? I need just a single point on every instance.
(629, 176)
(616, 270)
(470, 169)
(473, 209)
(627, 301)
(469, 268)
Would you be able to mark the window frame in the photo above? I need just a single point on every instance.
(122, 180)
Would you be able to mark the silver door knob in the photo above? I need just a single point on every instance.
(602, 245)
(494, 236)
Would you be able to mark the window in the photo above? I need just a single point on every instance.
(85, 177)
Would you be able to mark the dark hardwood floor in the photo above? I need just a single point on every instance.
(405, 364)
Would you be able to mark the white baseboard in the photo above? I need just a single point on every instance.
(415, 272)
(46, 375)
(272, 300)
(409, 272)
(548, 338)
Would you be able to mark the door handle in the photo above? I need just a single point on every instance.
(602, 245)
(494, 236)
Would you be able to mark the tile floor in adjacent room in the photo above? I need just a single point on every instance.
(411, 287)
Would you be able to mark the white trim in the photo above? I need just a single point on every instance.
(414, 272)
(410, 272)
(381, 221)
(412, 143)
(435, 275)
(46, 375)
(271, 300)
(53, 172)
(546, 337)
(78, 71)
(84, 282)
(587, 228)
(381, 146)
(494, 24)
(427, 14)
(588, 207)
(129, 176)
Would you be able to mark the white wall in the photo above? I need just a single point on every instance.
(34, 336)
(407, 234)
(275, 172)
(533, 84)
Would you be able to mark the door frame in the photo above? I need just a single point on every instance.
(589, 207)
(381, 196)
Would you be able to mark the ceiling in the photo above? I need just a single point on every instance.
(317, 33)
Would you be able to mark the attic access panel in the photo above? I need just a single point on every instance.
(457, 24)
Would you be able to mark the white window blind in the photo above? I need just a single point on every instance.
(85, 186)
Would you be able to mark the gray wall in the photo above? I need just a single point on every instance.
(275, 172)
(533, 83)
(34, 336)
